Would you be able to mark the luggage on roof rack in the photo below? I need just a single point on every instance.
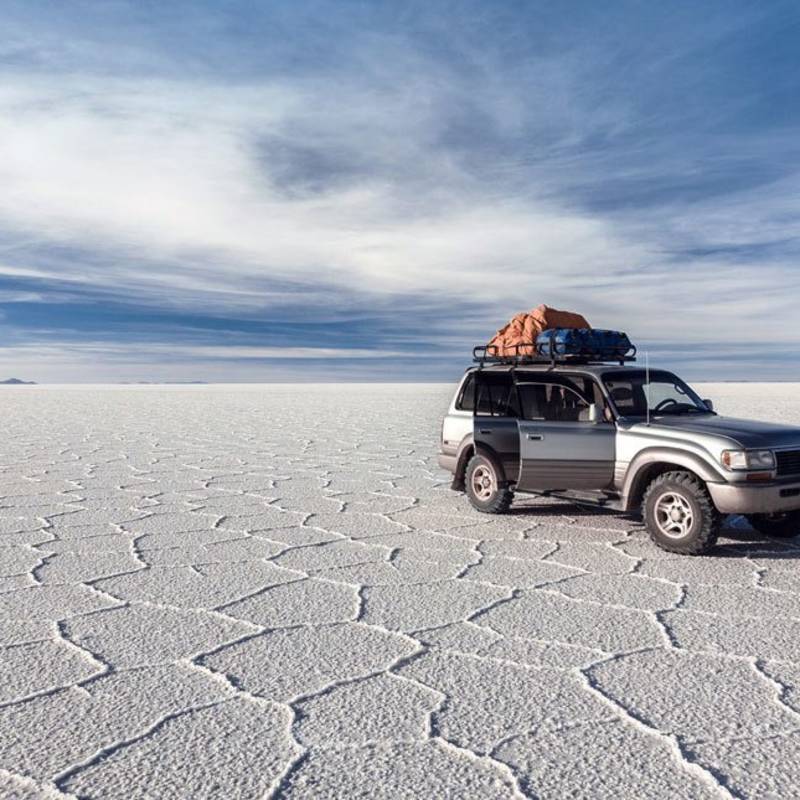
(594, 344)
(583, 345)
(518, 337)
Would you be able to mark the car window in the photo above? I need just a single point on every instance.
(496, 396)
(557, 406)
(567, 398)
(664, 394)
(552, 402)
(466, 399)
(489, 394)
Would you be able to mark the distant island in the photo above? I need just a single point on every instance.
(17, 382)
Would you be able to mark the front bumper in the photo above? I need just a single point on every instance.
(768, 498)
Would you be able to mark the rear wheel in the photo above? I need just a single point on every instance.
(679, 514)
(781, 526)
(486, 489)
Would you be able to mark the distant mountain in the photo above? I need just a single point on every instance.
(16, 382)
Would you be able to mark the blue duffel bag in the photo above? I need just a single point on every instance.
(585, 343)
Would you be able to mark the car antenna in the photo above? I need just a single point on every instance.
(647, 381)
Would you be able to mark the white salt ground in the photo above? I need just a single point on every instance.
(270, 591)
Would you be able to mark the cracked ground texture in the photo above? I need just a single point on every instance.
(271, 592)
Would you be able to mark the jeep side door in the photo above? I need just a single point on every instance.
(561, 446)
(495, 418)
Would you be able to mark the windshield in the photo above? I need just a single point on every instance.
(666, 394)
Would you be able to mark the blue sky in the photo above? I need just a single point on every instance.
(323, 190)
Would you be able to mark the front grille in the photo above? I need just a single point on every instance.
(788, 462)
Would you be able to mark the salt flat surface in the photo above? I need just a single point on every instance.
(252, 592)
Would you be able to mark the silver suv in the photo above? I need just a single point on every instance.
(623, 438)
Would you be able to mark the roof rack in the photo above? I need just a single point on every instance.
(528, 353)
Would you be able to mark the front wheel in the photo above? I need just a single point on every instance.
(781, 526)
(486, 490)
(679, 514)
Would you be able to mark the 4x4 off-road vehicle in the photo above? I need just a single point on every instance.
(584, 428)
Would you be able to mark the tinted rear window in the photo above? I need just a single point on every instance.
(496, 396)
(466, 399)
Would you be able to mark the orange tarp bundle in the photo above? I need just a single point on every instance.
(525, 327)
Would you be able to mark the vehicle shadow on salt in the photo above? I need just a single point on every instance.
(736, 539)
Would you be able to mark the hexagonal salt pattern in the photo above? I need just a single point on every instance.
(271, 592)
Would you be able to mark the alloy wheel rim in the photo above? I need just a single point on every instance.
(483, 483)
(674, 515)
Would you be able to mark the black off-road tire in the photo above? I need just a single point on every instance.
(685, 492)
(494, 498)
(781, 526)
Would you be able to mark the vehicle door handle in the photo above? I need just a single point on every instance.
(536, 437)
(485, 431)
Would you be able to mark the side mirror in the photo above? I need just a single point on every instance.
(593, 414)
(709, 404)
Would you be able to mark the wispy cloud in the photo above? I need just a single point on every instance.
(91, 350)
(175, 174)
(397, 175)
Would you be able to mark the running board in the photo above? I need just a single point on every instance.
(599, 498)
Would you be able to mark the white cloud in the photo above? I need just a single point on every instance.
(173, 172)
(191, 193)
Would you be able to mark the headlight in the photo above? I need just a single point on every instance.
(748, 459)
